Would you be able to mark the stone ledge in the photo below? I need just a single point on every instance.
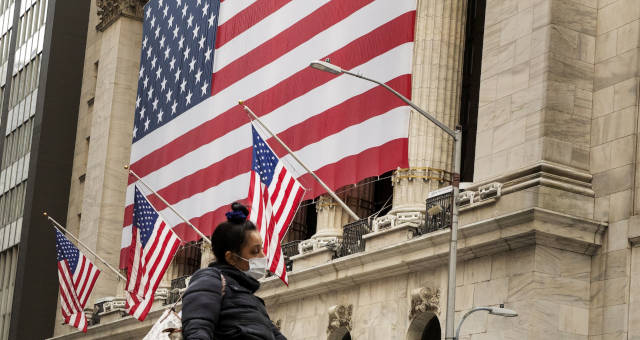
(313, 258)
(125, 328)
(380, 239)
(511, 231)
(543, 173)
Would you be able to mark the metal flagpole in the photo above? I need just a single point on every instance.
(66, 232)
(333, 194)
(168, 205)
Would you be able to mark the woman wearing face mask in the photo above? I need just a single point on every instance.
(220, 302)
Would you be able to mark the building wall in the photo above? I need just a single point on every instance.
(557, 131)
(614, 146)
(547, 286)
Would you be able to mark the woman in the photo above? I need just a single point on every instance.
(220, 301)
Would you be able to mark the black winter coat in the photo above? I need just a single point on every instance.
(238, 314)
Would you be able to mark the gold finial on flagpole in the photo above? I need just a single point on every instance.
(126, 166)
(241, 102)
(45, 214)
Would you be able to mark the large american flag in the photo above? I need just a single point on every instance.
(274, 195)
(153, 247)
(77, 276)
(200, 57)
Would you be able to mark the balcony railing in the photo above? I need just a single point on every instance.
(178, 286)
(289, 250)
(438, 216)
(352, 241)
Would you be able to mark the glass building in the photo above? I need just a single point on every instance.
(31, 76)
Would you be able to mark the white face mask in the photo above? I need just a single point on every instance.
(257, 267)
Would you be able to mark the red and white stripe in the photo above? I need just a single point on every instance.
(75, 289)
(272, 209)
(148, 267)
(343, 128)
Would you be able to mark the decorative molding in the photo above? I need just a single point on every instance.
(425, 299)
(110, 10)
(339, 317)
(425, 174)
(316, 243)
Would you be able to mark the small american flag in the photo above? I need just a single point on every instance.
(274, 195)
(77, 275)
(153, 245)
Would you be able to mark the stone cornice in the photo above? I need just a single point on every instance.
(543, 173)
(126, 328)
(110, 10)
(511, 231)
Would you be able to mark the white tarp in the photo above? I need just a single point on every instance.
(168, 320)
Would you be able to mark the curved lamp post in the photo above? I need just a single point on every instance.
(455, 182)
(500, 311)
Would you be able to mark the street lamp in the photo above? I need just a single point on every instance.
(500, 311)
(455, 182)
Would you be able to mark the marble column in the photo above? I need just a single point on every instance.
(117, 60)
(437, 79)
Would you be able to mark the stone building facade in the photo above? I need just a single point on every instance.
(549, 223)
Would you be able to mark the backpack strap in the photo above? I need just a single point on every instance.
(223, 281)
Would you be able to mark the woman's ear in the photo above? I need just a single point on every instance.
(228, 256)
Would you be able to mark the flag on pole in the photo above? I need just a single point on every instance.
(77, 276)
(200, 57)
(153, 246)
(274, 195)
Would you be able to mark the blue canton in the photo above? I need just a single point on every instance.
(144, 217)
(264, 160)
(67, 251)
(176, 64)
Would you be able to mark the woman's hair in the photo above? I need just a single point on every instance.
(231, 235)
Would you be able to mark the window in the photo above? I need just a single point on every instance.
(470, 92)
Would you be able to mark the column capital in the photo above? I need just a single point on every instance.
(110, 10)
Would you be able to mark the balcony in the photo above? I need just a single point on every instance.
(289, 250)
(352, 241)
(439, 210)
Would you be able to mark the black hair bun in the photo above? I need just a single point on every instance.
(238, 213)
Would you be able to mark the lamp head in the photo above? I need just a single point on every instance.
(503, 312)
(325, 66)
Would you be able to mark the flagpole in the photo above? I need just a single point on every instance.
(329, 191)
(59, 227)
(168, 205)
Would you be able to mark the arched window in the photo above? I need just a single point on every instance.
(425, 326)
(341, 333)
(432, 330)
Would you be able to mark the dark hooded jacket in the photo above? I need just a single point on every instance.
(208, 313)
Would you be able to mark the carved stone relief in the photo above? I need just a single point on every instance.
(110, 10)
(339, 317)
(423, 300)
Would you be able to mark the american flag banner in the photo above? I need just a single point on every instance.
(274, 195)
(77, 276)
(153, 245)
(200, 57)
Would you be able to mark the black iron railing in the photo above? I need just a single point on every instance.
(178, 285)
(289, 250)
(352, 241)
(438, 214)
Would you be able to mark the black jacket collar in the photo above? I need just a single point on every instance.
(240, 277)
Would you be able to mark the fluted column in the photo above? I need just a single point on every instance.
(437, 78)
(331, 218)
